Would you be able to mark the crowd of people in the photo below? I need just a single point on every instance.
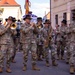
(39, 38)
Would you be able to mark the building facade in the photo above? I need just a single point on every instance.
(10, 8)
(62, 9)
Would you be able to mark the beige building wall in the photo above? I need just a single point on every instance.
(59, 7)
(11, 11)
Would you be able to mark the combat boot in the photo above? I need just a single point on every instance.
(8, 70)
(34, 67)
(72, 69)
(1, 70)
(62, 58)
(25, 68)
(13, 61)
(58, 57)
(47, 63)
(67, 61)
(40, 59)
(54, 63)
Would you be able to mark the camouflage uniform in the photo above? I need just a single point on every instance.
(63, 39)
(28, 42)
(53, 46)
(6, 46)
(71, 33)
(58, 39)
(72, 44)
(39, 43)
(46, 48)
(68, 44)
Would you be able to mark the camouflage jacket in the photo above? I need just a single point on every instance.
(6, 35)
(28, 33)
(58, 35)
(63, 33)
(72, 32)
(40, 35)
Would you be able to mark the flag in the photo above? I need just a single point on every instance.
(27, 5)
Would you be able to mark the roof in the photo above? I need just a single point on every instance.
(8, 3)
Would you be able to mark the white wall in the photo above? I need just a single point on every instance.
(11, 11)
(59, 7)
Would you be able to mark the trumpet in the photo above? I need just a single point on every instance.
(13, 26)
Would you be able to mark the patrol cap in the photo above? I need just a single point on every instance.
(39, 18)
(27, 17)
(64, 21)
(47, 21)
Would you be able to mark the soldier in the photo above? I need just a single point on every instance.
(68, 44)
(63, 38)
(29, 32)
(6, 47)
(48, 41)
(15, 43)
(39, 39)
(72, 47)
(58, 39)
(53, 47)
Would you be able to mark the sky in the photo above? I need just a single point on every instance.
(38, 7)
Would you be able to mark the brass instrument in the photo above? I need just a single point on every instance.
(48, 39)
(39, 26)
(13, 26)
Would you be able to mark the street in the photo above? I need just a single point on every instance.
(61, 69)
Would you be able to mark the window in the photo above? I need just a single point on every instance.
(65, 16)
(56, 19)
(73, 15)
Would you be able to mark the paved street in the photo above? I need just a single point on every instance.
(61, 69)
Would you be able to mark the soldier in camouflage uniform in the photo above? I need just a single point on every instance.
(63, 37)
(71, 32)
(53, 47)
(6, 45)
(68, 44)
(29, 32)
(58, 39)
(39, 39)
(48, 42)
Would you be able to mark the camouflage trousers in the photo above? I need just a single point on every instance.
(60, 48)
(46, 53)
(68, 51)
(72, 52)
(40, 51)
(53, 52)
(29, 47)
(5, 51)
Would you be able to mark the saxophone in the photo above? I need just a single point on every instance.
(48, 39)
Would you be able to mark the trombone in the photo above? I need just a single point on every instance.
(13, 26)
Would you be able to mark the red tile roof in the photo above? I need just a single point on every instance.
(8, 3)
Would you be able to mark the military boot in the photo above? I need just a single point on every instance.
(47, 63)
(72, 69)
(58, 57)
(40, 59)
(13, 61)
(54, 63)
(62, 58)
(1, 70)
(67, 61)
(34, 67)
(25, 68)
(8, 70)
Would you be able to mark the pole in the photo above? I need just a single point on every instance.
(50, 10)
